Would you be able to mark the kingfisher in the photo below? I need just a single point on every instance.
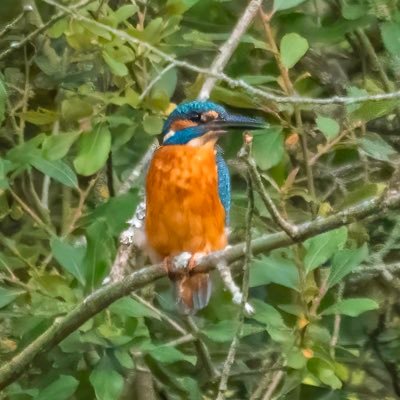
(188, 194)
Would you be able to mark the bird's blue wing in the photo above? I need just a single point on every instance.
(224, 185)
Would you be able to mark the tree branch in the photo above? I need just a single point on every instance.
(226, 50)
(106, 295)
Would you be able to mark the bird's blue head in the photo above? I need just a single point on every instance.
(199, 122)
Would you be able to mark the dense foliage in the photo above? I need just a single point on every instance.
(80, 104)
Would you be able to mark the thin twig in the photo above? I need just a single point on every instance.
(30, 212)
(15, 21)
(269, 204)
(227, 49)
(155, 80)
(276, 380)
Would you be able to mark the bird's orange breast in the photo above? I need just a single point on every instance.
(183, 209)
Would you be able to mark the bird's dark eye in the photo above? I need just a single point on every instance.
(195, 117)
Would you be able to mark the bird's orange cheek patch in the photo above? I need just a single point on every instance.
(182, 124)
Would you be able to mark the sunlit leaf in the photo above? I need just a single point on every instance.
(57, 146)
(292, 48)
(351, 307)
(375, 147)
(93, 150)
(268, 147)
(328, 126)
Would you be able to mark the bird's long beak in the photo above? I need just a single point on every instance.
(233, 121)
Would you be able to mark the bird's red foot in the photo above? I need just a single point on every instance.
(168, 264)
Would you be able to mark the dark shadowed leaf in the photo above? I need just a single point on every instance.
(61, 389)
(3, 99)
(345, 261)
(99, 254)
(322, 247)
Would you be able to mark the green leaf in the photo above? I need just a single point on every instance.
(5, 167)
(74, 109)
(324, 371)
(118, 68)
(274, 269)
(351, 307)
(106, 381)
(345, 261)
(61, 389)
(222, 331)
(7, 296)
(169, 355)
(292, 49)
(266, 314)
(328, 126)
(128, 307)
(99, 253)
(125, 12)
(69, 257)
(152, 124)
(40, 117)
(57, 169)
(390, 35)
(280, 5)
(57, 146)
(116, 211)
(268, 147)
(375, 147)
(322, 247)
(93, 151)
(3, 99)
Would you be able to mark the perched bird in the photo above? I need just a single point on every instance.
(188, 194)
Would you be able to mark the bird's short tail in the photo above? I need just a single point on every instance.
(193, 292)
